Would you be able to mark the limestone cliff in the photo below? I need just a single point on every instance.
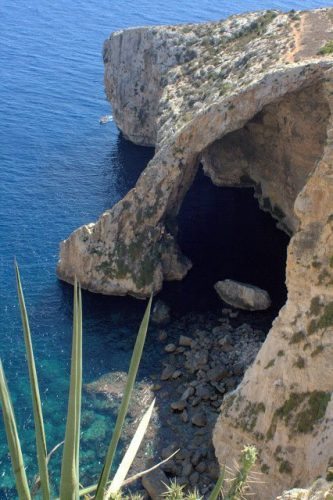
(251, 99)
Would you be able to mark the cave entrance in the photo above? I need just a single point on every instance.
(226, 235)
(222, 229)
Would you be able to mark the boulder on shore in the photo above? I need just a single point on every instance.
(243, 295)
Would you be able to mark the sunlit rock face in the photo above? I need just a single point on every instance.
(251, 99)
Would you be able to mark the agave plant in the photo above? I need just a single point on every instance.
(70, 488)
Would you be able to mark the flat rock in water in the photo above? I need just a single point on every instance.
(243, 295)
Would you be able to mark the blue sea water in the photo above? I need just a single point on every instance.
(60, 169)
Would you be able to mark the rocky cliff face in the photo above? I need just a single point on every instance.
(251, 99)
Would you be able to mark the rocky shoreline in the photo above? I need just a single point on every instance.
(204, 359)
(206, 356)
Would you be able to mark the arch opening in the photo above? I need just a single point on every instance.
(221, 228)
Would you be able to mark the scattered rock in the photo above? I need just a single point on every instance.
(155, 483)
(213, 470)
(211, 364)
(178, 405)
(185, 417)
(162, 336)
(176, 374)
(238, 369)
(170, 348)
(167, 372)
(243, 295)
(217, 374)
(201, 467)
(194, 478)
(196, 457)
(203, 392)
(161, 313)
(187, 393)
(185, 341)
(187, 469)
(225, 343)
(166, 452)
(199, 419)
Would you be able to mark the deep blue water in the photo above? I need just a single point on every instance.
(60, 169)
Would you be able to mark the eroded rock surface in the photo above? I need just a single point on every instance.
(252, 100)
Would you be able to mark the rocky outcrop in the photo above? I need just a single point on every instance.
(250, 98)
(224, 83)
(320, 490)
(243, 295)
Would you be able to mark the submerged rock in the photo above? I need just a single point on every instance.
(161, 313)
(243, 295)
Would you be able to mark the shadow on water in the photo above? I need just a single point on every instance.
(226, 235)
(127, 161)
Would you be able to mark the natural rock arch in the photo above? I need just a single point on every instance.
(131, 249)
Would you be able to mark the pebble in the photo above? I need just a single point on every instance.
(170, 348)
(196, 401)
(167, 372)
(162, 336)
(217, 374)
(166, 452)
(185, 341)
(194, 478)
(187, 393)
(201, 467)
(177, 374)
(203, 392)
(213, 470)
(178, 405)
(187, 469)
(185, 417)
(199, 419)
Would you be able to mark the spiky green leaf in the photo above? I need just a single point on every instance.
(69, 482)
(133, 369)
(130, 454)
(13, 439)
(218, 486)
(36, 401)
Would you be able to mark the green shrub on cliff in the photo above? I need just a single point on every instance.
(326, 49)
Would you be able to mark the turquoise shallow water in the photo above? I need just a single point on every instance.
(60, 169)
